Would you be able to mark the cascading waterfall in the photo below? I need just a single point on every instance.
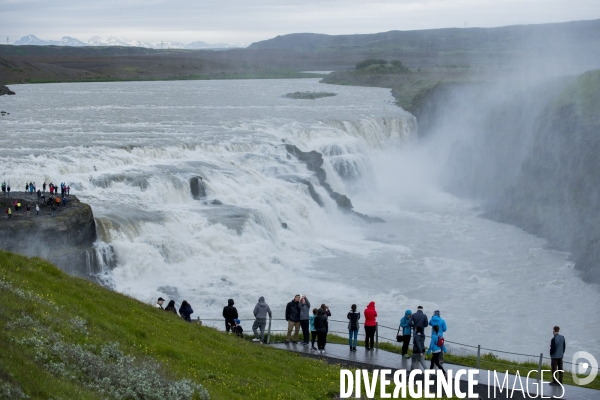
(258, 229)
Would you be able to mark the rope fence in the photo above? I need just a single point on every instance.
(478, 357)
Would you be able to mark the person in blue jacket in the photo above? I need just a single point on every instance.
(406, 332)
(437, 320)
(436, 349)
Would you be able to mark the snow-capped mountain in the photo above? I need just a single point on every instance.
(32, 40)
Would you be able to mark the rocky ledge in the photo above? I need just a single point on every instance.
(65, 239)
(5, 90)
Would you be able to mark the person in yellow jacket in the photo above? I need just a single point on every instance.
(9, 212)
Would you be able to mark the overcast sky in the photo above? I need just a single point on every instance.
(244, 21)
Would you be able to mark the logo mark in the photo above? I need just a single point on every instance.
(582, 368)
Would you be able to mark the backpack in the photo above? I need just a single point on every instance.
(440, 342)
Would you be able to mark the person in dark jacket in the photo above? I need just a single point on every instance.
(406, 332)
(558, 345)
(261, 310)
(230, 314)
(418, 319)
(171, 307)
(418, 348)
(186, 310)
(304, 319)
(353, 325)
(322, 327)
(370, 325)
(292, 316)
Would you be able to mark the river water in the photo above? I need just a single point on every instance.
(129, 150)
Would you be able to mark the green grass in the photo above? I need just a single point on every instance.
(227, 367)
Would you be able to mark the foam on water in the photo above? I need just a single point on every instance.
(129, 150)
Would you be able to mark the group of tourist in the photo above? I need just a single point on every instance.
(54, 201)
(316, 326)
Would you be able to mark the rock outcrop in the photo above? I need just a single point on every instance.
(5, 90)
(314, 162)
(197, 187)
(66, 239)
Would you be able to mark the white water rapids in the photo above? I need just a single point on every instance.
(129, 150)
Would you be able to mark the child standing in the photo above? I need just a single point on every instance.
(313, 331)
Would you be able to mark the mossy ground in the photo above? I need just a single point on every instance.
(227, 367)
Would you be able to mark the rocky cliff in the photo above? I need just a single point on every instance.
(66, 239)
(5, 90)
(530, 153)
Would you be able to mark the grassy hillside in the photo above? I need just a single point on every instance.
(64, 338)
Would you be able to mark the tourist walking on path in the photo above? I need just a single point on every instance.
(9, 212)
(53, 208)
(159, 303)
(261, 310)
(370, 325)
(186, 311)
(304, 319)
(313, 331)
(292, 316)
(436, 347)
(230, 314)
(322, 327)
(419, 319)
(558, 345)
(37, 210)
(353, 325)
(418, 349)
(406, 332)
(28, 211)
(171, 307)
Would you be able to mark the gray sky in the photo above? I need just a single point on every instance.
(243, 21)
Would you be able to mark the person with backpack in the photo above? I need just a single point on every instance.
(370, 325)
(313, 331)
(261, 309)
(353, 325)
(186, 311)
(322, 327)
(230, 314)
(436, 347)
(558, 345)
(406, 332)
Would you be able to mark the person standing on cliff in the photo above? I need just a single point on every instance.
(8, 190)
(304, 319)
(53, 208)
(261, 309)
(37, 210)
(44, 187)
(9, 213)
(229, 313)
(418, 319)
(558, 345)
(28, 210)
(370, 325)
(292, 316)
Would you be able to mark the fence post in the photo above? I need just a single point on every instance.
(478, 355)
(377, 335)
(540, 368)
(268, 332)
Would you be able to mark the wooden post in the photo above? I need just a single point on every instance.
(478, 355)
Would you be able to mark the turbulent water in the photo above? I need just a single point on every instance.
(130, 149)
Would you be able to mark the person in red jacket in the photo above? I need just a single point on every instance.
(370, 325)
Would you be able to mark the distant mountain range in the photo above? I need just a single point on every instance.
(32, 40)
